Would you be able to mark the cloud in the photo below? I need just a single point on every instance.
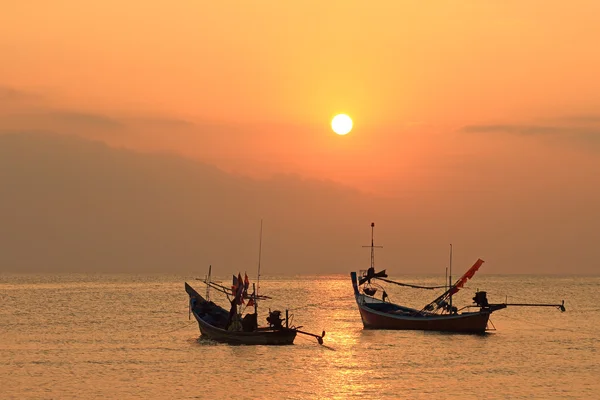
(583, 119)
(590, 131)
(159, 122)
(85, 119)
(7, 93)
(101, 208)
(580, 130)
(27, 110)
(11, 96)
(516, 129)
(24, 109)
(70, 204)
(60, 120)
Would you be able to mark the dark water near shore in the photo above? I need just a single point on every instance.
(128, 336)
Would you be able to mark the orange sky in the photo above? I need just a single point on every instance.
(299, 62)
(448, 99)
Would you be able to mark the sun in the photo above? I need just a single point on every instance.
(341, 124)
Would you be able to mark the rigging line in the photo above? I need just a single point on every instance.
(548, 326)
(377, 285)
(176, 329)
(409, 285)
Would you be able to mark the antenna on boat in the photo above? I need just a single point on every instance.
(372, 246)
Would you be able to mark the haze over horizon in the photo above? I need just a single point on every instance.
(124, 150)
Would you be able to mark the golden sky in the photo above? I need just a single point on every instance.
(270, 75)
(299, 62)
(450, 100)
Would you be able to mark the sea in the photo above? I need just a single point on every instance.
(95, 336)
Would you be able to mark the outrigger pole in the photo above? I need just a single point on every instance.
(561, 306)
(319, 338)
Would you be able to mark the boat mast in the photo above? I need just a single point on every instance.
(450, 277)
(446, 280)
(372, 246)
(208, 283)
(254, 298)
(259, 254)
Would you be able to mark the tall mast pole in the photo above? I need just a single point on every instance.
(372, 244)
(446, 279)
(450, 276)
(255, 302)
(259, 254)
(208, 283)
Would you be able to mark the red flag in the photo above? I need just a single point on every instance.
(468, 275)
(240, 289)
(246, 284)
(234, 285)
(250, 302)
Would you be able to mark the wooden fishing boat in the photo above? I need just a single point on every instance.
(232, 326)
(439, 315)
(213, 322)
(379, 314)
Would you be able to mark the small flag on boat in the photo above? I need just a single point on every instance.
(240, 289)
(246, 284)
(234, 285)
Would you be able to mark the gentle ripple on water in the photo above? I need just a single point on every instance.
(126, 336)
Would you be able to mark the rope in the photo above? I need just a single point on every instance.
(409, 285)
(176, 329)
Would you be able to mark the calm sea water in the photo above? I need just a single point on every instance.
(125, 336)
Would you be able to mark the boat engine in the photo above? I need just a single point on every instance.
(481, 299)
(274, 319)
